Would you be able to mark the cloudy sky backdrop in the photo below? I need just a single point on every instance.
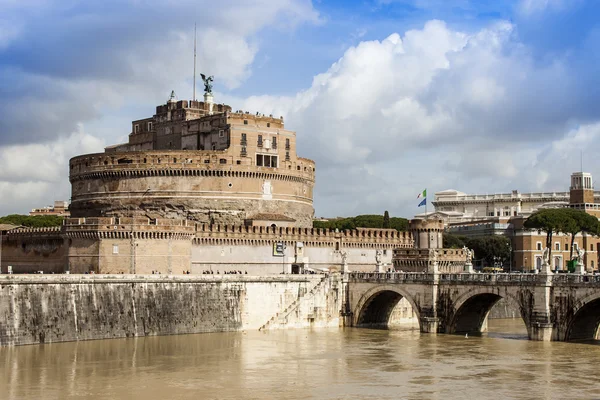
(388, 96)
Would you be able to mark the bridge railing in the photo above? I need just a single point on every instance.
(479, 277)
(397, 277)
(576, 278)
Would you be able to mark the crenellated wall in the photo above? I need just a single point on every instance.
(115, 245)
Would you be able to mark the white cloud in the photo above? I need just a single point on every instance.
(34, 175)
(432, 108)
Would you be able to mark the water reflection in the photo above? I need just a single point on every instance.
(299, 364)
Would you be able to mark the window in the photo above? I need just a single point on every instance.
(260, 141)
(592, 247)
(268, 124)
(136, 128)
(243, 153)
(287, 156)
(238, 162)
(207, 161)
(222, 161)
(566, 247)
(245, 122)
(149, 126)
(539, 245)
(287, 144)
(221, 133)
(243, 142)
(264, 160)
(556, 246)
(274, 143)
(115, 249)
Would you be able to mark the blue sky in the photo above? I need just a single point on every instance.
(387, 96)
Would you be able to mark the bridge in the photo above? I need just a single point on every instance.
(557, 307)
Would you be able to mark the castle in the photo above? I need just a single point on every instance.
(197, 189)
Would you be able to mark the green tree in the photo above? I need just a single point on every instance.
(452, 241)
(490, 248)
(34, 221)
(399, 224)
(552, 220)
(386, 220)
(577, 222)
(362, 221)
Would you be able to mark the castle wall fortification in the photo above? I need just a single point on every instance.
(205, 186)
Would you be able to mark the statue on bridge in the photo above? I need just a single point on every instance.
(378, 254)
(580, 254)
(546, 257)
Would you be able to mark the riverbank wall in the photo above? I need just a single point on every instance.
(46, 309)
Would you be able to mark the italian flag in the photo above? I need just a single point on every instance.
(424, 194)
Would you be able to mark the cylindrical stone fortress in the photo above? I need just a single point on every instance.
(205, 186)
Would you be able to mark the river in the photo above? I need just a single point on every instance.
(305, 364)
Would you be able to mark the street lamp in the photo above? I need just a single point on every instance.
(509, 258)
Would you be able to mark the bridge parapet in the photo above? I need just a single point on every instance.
(493, 279)
(391, 277)
(570, 279)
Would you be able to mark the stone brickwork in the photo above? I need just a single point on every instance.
(167, 246)
(198, 161)
(47, 309)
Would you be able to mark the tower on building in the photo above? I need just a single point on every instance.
(582, 188)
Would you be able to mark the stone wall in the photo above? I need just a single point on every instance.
(201, 185)
(33, 250)
(45, 309)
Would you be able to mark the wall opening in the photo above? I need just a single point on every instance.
(584, 324)
(491, 315)
(388, 310)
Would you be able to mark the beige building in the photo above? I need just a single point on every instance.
(528, 246)
(198, 161)
(60, 209)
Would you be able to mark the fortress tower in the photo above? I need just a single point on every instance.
(427, 233)
(198, 161)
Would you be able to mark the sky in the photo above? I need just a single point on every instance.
(389, 97)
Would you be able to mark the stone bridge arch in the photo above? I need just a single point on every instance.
(469, 310)
(582, 321)
(374, 307)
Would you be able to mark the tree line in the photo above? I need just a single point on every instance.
(569, 221)
(365, 221)
(33, 221)
(489, 249)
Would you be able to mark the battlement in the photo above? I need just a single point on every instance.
(42, 231)
(426, 225)
(258, 118)
(294, 234)
(123, 227)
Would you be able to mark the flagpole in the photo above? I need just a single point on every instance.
(425, 202)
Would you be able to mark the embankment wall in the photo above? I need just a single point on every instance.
(45, 308)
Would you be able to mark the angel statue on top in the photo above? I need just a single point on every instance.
(208, 80)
